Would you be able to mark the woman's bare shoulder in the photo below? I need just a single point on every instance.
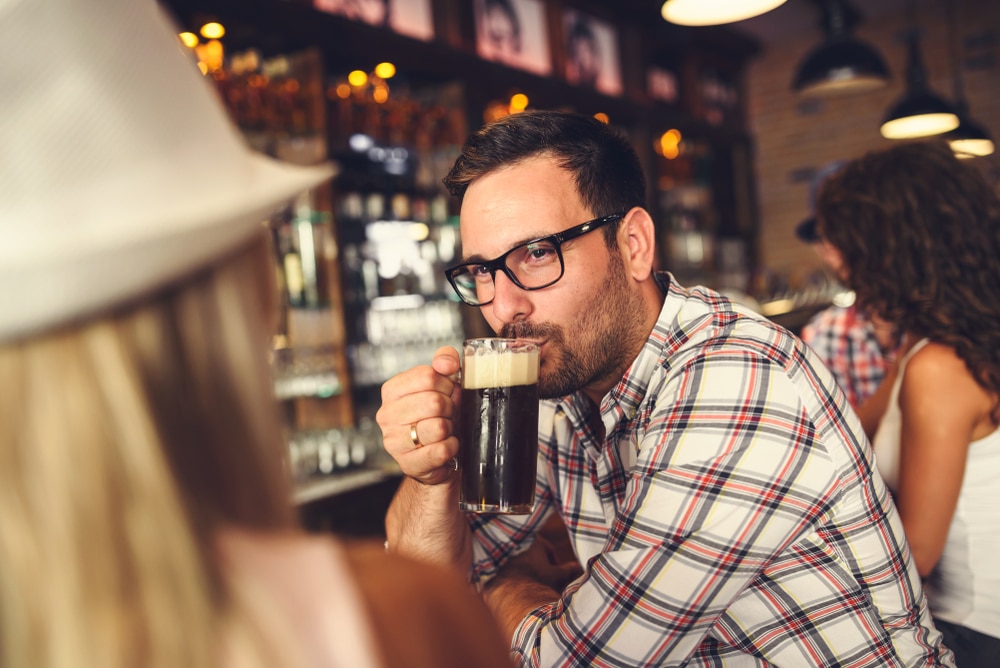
(938, 383)
(424, 615)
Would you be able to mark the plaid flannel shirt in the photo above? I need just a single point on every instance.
(731, 516)
(844, 339)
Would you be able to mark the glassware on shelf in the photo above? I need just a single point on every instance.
(315, 453)
(400, 332)
(306, 372)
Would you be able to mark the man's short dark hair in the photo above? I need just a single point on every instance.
(605, 167)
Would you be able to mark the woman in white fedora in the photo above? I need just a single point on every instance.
(145, 515)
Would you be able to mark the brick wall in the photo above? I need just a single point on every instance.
(793, 138)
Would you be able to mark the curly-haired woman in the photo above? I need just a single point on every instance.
(919, 231)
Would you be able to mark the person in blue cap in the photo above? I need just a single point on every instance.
(856, 346)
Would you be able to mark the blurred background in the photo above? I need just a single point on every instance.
(732, 121)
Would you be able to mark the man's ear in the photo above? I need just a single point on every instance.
(637, 242)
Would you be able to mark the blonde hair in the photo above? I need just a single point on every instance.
(126, 442)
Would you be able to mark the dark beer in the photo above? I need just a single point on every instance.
(499, 448)
(499, 426)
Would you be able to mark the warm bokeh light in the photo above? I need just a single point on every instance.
(669, 144)
(212, 30)
(419, 231)
(357, 78)
(385, 70)
(602, 117)
(343, 91)
(246, 61)
(496, 110)
(380, 93)
(189, 39)
(518, 102)
(211, 54)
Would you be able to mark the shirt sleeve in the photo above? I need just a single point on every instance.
(828, 334)
(497, 538)
(866, 362)
(729, 474)
(844, 340)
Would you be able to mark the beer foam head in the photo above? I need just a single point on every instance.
(500, 368)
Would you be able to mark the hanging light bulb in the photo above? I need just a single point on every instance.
(919, 112)
(714, 12)
(841, 64)
(969, 139)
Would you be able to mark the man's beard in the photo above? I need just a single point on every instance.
(603, 338)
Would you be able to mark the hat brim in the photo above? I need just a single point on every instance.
(166, 245)
(806, 231)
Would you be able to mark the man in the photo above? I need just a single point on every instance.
(583, 63)
(716, 488)
(499, 34)
(372, 12)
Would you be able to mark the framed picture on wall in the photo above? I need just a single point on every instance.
(412, 18)
(591, 47)
(513, 32)
(662, 84)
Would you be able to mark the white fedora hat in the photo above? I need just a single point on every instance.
(119, 169)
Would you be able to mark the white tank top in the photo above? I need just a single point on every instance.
(965, 585)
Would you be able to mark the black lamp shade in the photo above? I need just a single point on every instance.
(919, 113)
(840, 66)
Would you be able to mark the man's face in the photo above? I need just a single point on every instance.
(369, 11)
(585, 60)
(501, 34)
(584, 323)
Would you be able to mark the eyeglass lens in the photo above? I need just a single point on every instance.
(531, 266)
(534, 265)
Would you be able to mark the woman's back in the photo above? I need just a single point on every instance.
(918, 230)
(962, 583)
(146, 514)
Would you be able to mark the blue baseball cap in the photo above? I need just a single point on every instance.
(806, 230)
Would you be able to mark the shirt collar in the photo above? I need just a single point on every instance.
(684, 312)
(623, 401)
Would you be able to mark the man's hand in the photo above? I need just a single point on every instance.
(526, 582)
(418, 419)
(422, 402)
(539, 564)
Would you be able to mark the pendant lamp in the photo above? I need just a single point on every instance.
(714, 12)
(969, 139)
(841, 64)
(919, 112)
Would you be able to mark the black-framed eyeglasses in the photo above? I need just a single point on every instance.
(533, 265)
